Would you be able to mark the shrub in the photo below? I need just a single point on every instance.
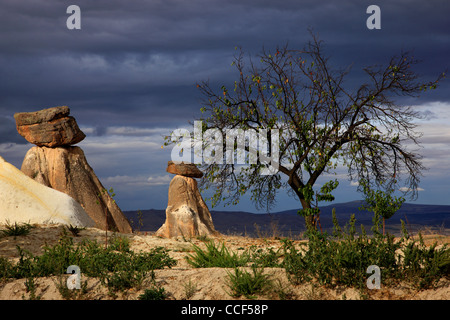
(344, 259)
(423, 265)
(248, 284)
(16, 229)
(216, 256)
(116, 266)
(155, 293)
(265, 258)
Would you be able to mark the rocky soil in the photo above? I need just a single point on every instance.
(185, 282)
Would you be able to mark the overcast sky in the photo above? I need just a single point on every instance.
(129, 75)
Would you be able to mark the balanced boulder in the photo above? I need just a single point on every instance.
(23, 200)
(187, 214)
(51, 127)
(66, 169)
(184, 169)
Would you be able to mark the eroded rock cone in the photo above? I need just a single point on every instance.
(66, 169)
(52, 127)
(187, 214)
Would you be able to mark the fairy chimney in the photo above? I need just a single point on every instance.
(187, 213)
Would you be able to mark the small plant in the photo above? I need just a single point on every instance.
(74, 230)
(124, 279)
(265, 258)
(189, 289)
(71, 294)
(216, 256)
(116, 266)
(121, 244)
(381, 203)
(5, 268)
(344, 259)
(248, 284)
(140, 219)
(424, 266)
(31, 287)
(16, 229)
(154, 293)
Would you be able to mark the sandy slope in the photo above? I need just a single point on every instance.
(182, 281)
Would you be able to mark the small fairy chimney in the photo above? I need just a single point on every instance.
(186, 213)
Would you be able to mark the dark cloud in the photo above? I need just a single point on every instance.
(133, 60)
(136, 63)
(8, 132)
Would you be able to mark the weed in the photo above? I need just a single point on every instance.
(16, 229)
(122, 280)
(248, 284)
(74, 230)
(154, 293)
(5, 268)
(121, 244)
(189, 289)
(31, 287)
(70, 294)
(265, 258)
(215, 256)
(117, 267)
(283, 291)
(344, 259)
(425, 265)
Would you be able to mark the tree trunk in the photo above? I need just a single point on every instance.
(309, 219)
(295, 184)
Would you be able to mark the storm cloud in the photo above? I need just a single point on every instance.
(129, 75)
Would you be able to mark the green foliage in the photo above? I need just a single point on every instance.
(321, 121)
(154, 293)
(425, 265)
(381, 203)
(5, 268)
(215, 256)
(122, 280)
(14, 230)
(219, 256)
(323, 195)
(31, 287)
(248, 284)
(343, 258)
(268, 258)
(117, 266)
(74, 230)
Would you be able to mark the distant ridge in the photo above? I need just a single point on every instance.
(288, 223)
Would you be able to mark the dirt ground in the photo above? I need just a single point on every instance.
(185, 282)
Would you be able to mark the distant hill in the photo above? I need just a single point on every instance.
(289, 223)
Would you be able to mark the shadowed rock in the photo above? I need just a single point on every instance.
(51, 127)
(66, 169)
(186, 214)
(184, 169)
(55, 164)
